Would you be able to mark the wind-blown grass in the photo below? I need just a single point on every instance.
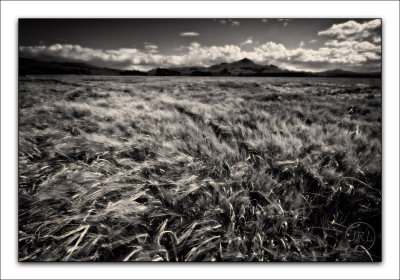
(197, 169)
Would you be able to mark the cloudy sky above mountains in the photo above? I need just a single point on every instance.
(143, 44)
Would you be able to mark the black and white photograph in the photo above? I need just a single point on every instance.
(200, 139)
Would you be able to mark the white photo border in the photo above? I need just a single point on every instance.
(387, 10)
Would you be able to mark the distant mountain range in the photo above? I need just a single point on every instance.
(244, 68)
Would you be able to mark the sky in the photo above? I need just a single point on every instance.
(144, 44)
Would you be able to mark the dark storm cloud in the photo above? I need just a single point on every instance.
(303, 44)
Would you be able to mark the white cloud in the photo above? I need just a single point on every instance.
(366, 46)
(352, 29)
(354, 43)
(222, 21)
(335, 54)
(359, 46)
(312, 41)
(336, 43)
(207, 55)
(272, 50)
(249, 41)
(285, 21)
(189, 34)
(340, 54)
(294, 68)
(235, 23)
(151, 48)
(180, 48)
(264, 20)
(376, 39)
(123, 58)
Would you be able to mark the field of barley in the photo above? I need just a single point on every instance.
(197, 168)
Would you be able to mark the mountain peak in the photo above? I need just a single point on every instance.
(244, 67)
(337, 70)
(246, 60)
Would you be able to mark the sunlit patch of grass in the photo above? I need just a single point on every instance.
(197, 169)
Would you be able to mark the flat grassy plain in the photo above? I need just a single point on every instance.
(197, 169)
